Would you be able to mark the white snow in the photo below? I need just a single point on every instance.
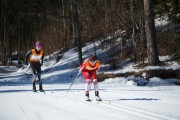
(9, 68)
(123, 98)
(155, 81)
(162, 21)
(128, 66)
(119, 103)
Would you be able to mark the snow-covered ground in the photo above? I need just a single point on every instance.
(119, 103)
(122, 98)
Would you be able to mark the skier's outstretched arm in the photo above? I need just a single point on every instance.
(27, 57)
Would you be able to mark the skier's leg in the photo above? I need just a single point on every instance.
(94, 78)
(87, 88)
(39, 77)
(96, 89)
(34, 76)
(87, 85)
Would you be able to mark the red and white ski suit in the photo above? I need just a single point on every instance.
(89, 73)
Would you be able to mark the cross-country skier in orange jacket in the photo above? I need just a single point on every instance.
(89, 70)
(35, 58)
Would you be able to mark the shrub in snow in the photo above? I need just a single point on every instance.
(155, 81)
(131, 83)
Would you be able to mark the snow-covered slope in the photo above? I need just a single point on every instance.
(62, 72)
(128, 66)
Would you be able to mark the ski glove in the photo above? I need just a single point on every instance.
(80, 69)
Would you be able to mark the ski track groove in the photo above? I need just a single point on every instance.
(169, 101)
(115, 106)
(120, 107)
(131, 110)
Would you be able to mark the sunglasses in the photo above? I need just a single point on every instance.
(92, 62)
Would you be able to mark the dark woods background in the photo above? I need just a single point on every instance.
(22, 22)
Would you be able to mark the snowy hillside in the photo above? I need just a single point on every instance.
(122, 98)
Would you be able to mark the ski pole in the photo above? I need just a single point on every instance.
(25, 67)
(73, 81)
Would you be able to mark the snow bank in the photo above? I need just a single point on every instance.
(123, 81)
(155, 81)
(137, 81)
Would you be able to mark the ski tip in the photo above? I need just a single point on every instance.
(99, 100)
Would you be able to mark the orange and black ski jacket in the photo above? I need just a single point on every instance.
(34, 56)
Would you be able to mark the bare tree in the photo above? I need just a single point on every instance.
(4, 32)
(76, 29)
(150, 33)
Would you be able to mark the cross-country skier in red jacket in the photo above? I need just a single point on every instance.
(89, 70)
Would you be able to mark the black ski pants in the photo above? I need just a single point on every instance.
(36, 70)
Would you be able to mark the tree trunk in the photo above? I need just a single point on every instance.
(76, 30)
(4, 41)
(64, 29)
(133, 30)
(150, 33)
(174, 10)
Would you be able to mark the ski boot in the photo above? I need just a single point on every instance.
(97, 96)
(41, 89)
(34, 89)
(87, 97)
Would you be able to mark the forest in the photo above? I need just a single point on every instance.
(63, 24)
